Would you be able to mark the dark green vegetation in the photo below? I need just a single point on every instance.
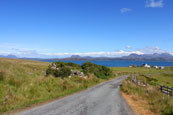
(99, 71)
(158, 102)
(63, 69)
(23, 82)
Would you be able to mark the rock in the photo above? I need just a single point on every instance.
(53, 68)
(77, 73)
(115, 74)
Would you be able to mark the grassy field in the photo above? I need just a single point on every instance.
(162, 76)
(158, 102)
(23, 83)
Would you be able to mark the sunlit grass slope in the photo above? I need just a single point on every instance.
(23, 82)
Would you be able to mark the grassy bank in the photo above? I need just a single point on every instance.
(162, 76)
(23, 83)
(157, 102)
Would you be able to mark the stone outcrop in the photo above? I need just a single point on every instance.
(54, 67)
(140, 83)
(77, 73)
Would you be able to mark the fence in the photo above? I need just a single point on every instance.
(166, 90)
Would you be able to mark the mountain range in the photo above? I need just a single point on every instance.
(8, 56)
(150, 57)
(135, 57)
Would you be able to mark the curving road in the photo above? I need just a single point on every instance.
(103, 99)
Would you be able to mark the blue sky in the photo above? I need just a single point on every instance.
(60, 28)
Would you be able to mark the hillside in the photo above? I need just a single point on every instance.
(24, 82)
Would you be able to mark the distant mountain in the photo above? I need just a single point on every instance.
(75, 56)
(8, 56)
(135, 57)
(150, 57)
(78, 56)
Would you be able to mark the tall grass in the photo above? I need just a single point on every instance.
(23, 83)
(159, 103)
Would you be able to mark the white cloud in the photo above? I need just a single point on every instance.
(97, 54)
(21, 52)
(151, 50)
(146, 50)
(154, 3)
(124, 10)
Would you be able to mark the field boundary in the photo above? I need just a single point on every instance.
(167, 90)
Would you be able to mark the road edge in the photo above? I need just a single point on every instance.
(16, 111)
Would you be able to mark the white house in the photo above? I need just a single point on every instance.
(156, 67)
(161, 67)
(146, 66)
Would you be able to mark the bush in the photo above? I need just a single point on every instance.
(49, 71)
(64, 69)
(62, 72)
(70, 64)
(99, 71)
(66, 64)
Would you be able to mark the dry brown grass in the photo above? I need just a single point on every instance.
(139, 106)
(157, 102)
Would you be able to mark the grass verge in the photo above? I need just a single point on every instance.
(23, 83)
(157, 102)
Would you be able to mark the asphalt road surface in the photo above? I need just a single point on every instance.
(103, 99)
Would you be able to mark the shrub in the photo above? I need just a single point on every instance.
(64, 69)
(66, 64)
(50, 71)
(62, 72)
(70, 64)
(59, 64)
(99, 71)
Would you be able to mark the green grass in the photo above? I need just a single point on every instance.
(23, 83)
(163, 76)
(158, 102)
(142, 70)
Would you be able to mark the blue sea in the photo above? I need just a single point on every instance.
(123, 63)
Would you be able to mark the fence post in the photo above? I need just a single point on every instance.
(166, 90)
(161, 87)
